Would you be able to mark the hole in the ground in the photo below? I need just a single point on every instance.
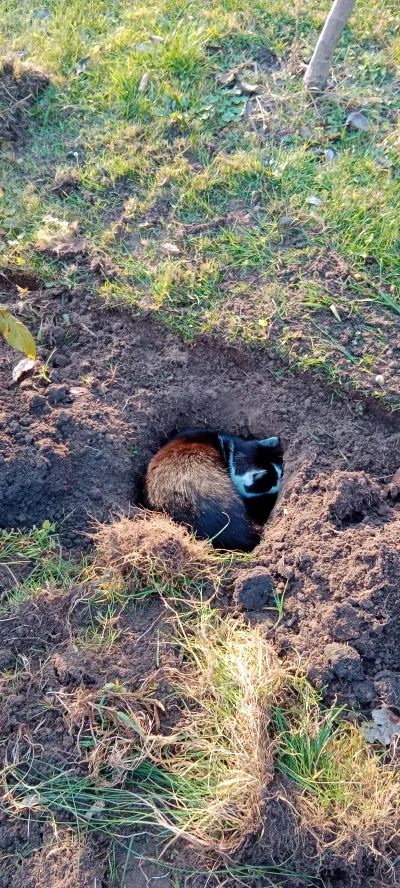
(221, 486)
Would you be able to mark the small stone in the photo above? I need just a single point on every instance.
(379, 379)
(56, 394)
(253, 588)
(345, 661)
(37, 405)
(305, 132)
(286, 221)
(6, 658)
(358, 121)
(25, 421)
(95, 493)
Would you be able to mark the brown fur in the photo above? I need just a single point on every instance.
(189, 481)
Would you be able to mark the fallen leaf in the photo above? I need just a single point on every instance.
(251, 89)
(383, 728)
(97, 807)
(263, 323)
(30, 801)
(314, 201)
(16, 334)
(144, 83)
(170, 248)
(335, 313)
(81, 66)
(22, 367)
(358, 121)
(156, 38)
(227, 78)
(77, 391)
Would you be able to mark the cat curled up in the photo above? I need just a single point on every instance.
(222, 487)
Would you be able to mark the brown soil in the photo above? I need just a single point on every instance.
(73, 448)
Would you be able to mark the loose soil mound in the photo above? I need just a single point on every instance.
(74, 444)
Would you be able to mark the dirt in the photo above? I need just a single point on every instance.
(74, 444)
(20, 86)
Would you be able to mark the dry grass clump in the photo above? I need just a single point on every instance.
(20, 85)
(222, 748)
(149, 550)
(350, 791)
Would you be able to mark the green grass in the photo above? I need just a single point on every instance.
(31, 562)
(131, 149)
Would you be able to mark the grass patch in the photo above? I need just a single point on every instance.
(31, 562)
(245, 718)
(206, 152)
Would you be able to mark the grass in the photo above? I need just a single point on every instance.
(247, 277)
(243, 722)
(245, 718)
(32, 562)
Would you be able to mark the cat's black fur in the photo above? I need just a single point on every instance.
(221, 486)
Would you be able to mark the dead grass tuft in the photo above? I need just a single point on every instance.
(150, 549)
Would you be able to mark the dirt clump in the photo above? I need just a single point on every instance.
(20, 87)
(332, 548)
(151, 544)
(62, 862)
(253, 589)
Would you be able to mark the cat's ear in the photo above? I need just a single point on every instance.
(269, 442)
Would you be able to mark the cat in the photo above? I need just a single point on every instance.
(220, 486)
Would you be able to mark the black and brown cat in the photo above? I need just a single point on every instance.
(220, 486)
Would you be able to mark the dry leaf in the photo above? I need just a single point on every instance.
(77, 391)
(82, 65)
(383, 728)
(314, 201)
(30, 801)
(97, 807)
(22, 367)
(156, 38)
(251, 89)
(358, 121)
(227, 78)
(144, 83)
(170, 248)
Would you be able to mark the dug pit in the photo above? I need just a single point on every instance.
(76, 437)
